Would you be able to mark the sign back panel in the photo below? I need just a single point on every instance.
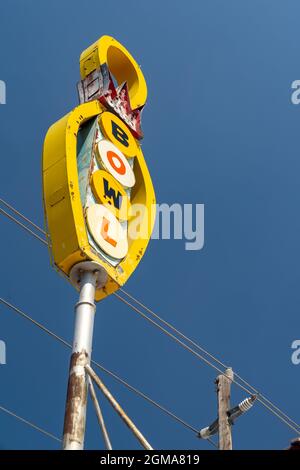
(98, 195)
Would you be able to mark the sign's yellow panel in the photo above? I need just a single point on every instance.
(94, 172)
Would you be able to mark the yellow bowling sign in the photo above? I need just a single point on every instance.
(98, 195)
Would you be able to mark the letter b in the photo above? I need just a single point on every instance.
(119, 134)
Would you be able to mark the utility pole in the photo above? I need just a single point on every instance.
(88, 276)
(223, 390)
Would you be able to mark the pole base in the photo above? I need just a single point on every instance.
(79, 268)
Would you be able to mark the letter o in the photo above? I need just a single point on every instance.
(112, 160)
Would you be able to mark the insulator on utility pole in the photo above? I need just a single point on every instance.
(205, 433)
(295, 444)
(233, 414)
(240, 409)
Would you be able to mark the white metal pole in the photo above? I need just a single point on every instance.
(75, 413)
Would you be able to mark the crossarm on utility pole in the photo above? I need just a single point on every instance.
(118, 408)
(234, 413)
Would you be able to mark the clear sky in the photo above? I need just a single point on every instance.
(220, 129)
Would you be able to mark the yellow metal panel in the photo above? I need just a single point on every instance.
(64, 212)
(120, 63)
(65, 215)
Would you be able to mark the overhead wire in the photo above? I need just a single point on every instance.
(268, 404)
(2, 211)
(288, 421)
(22, 216)
(100, 366)
(29, 423)
(205, 351)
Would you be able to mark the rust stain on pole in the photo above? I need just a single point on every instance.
(75, 414)
(74, 425)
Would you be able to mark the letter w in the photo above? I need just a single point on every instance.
(111, 194)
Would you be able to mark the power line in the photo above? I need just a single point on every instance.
(36, 323)
(97, 364)
(261, 398)
(170, 335)
(164, 322)
(200, 348)
(2, 211)
(209, 363)
(9, 206)
(29, 423)
(142, 395)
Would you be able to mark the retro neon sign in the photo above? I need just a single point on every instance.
(94, 171)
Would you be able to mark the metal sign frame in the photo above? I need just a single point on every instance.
(65, 217)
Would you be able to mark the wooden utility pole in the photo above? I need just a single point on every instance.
(223, 390)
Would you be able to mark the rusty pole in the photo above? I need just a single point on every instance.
(75, 413)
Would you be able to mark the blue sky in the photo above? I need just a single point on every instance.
(220, 129)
